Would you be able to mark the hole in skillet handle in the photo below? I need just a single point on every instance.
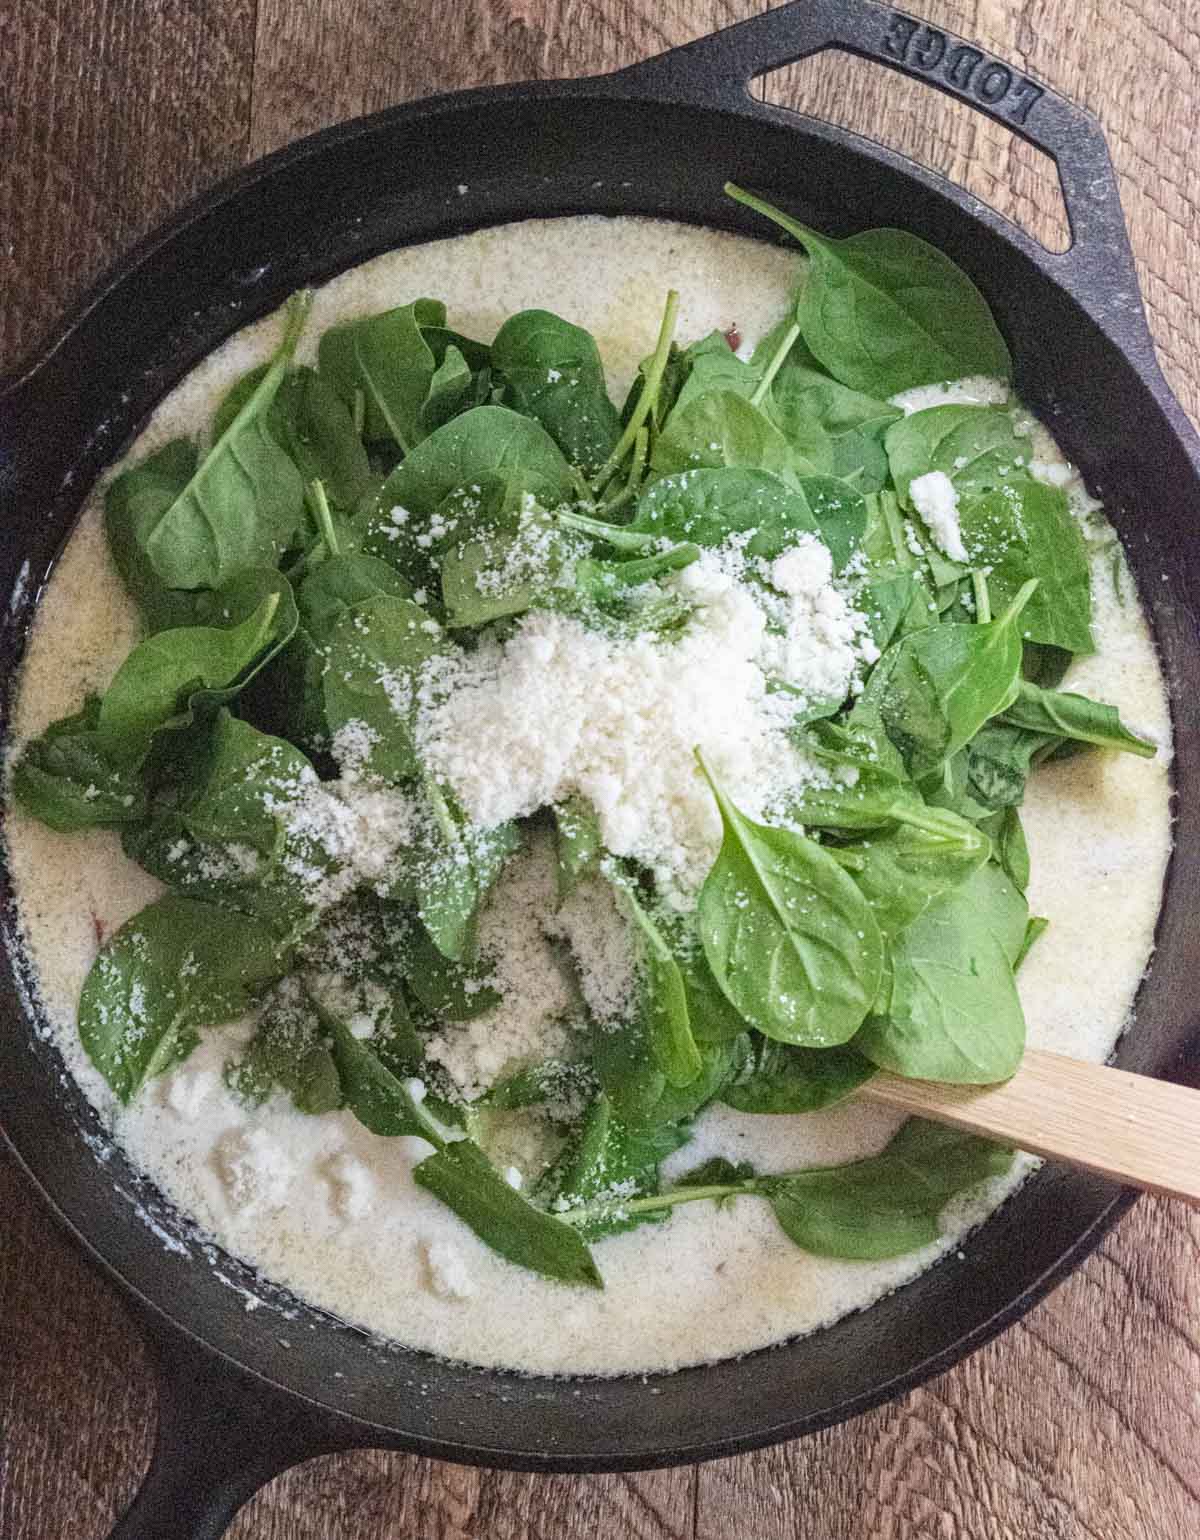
(222, 1434)
(1097, 268)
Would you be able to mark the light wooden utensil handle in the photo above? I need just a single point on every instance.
(1143, 1132)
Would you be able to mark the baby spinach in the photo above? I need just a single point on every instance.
(388, 359)
(866, 1210)
(1008, 845)
(450, 390)
(241, 506)
(1062, 714)
(465, 1180)
(159, 677)
(289, 1051)
(884, 311)
(935, 688)
(889, 1203)
(218, 831)
(375, 653)
(177, 966)
(903, 870)
(789, 937)
(449, 990)
(134, 500)
(708, 505)
(640, 1092)
(342, 583)
(314, 425)
(999, 760)
(977, 447)
(453, 865)
(948, 1007)
(552, 373)
(720, 429)
(73, 777)
(1026, 531)
(663, 999)
(578, 844)
(488, 443)
(609, 1162)
(777, 1078)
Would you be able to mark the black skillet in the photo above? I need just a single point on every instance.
(245, 1394)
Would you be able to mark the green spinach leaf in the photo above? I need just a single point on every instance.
(1062, 714)
(779, 1078)
(463, 1178)
(552, 372)
(177, 966)
(240, 507)
(884, 311)
(72, 777)
(389, 360)
(789, 937)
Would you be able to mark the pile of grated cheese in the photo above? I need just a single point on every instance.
(558, 709)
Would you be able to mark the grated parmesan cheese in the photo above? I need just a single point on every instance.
(935, 499)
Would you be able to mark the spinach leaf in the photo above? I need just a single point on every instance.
(578, 845)
(289, 1050)
(888, 1204)
(450, 390)
(788, 935)
(713, 1018)
(175, 967)
(884, 311)
(606, 1165)
(948, 1007)
(721, 429)
(342, 583)
(999, 760)
(564, 1087)
(1065, 715)
(218, 831)
(1036, 926)
(662, 997)
(313, 424)
(935, 688)
(1008, 843)
(453, 864)
(778, 1078)
(380, 1100)
(133, 502)
(552, 372)
(375, 654)
(162, 677)
(865, 1210)
(507, 569)
(904, 870)
(708, 505)
(408, 525)
(1026, 530)
(388, 359)
(977, 447)
(71, 776)
(449, 990)
(240, 507)
(640, 1092)
(463, 1178)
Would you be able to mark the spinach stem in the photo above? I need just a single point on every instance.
(319, 505)
(653, 1202)
(612, 534)
(773, 368)
(645, 402)
(983, 605)
(637, 461)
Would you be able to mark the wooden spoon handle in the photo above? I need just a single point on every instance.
(1143, 1132)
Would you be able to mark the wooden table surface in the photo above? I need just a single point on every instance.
(1084, 1420)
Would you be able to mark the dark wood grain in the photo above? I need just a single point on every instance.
(1080, 1424)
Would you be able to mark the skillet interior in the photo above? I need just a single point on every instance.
(392, 180)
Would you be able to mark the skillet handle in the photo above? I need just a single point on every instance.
(718, 71)
(221, 1436)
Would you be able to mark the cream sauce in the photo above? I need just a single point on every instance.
(319, 1204)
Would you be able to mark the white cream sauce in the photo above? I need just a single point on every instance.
(322, 1206)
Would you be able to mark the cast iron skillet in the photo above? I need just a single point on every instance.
(245, 1394)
